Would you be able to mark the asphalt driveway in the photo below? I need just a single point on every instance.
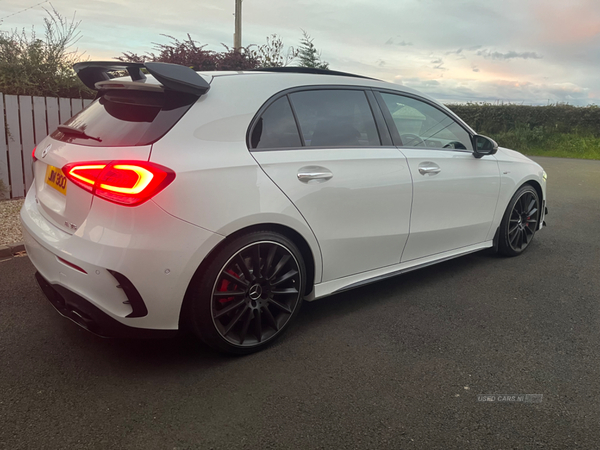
(398, 364)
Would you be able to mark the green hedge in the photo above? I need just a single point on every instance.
(493, 119)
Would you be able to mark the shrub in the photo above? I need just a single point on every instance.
(30, 65)
(562, 118)
(189, 53)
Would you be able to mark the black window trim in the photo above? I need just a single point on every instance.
(392, 126)
(380, 123)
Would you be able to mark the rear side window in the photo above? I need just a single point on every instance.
(276, 128)
(335, 118)
(127, 118)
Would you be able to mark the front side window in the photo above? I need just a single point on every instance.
(335, 118)
(421, 125)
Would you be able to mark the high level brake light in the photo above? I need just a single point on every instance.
(128, 183)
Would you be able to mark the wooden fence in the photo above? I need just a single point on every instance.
(26, 121)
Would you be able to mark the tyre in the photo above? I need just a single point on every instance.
(520, 222)
(249, 294)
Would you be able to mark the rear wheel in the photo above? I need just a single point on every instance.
(520, 222)
(249, 294)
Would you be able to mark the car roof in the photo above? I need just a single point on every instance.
(266, 83)
(297, 79)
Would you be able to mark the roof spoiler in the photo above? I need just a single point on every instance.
(171, 76)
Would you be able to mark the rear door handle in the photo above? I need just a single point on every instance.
(316, 174)
(429, 168)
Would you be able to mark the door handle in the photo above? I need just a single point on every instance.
(316, 174)
(429, 168)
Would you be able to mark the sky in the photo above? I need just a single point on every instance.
(519, 51)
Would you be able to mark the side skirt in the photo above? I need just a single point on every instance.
(343, 284)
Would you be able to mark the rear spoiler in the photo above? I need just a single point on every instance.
(171, 76)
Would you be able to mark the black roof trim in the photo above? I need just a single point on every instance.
(292, 69)
(171, 76)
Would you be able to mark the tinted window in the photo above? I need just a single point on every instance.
(276, 128)
(127, 118)
(421, 125)
(335, 118)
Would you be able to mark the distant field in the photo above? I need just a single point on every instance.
(555, 130)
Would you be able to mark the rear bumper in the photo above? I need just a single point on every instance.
(133, 265)
(83, 313)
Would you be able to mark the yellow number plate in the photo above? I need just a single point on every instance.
(56, 178)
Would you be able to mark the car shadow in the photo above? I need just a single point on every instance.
(185, 352)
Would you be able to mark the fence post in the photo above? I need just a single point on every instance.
(3, 152)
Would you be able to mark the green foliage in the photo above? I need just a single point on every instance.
(190, 53)
(554, 130)
(272, 54)
(543, 142)
(308, 55)
(30, 65)
(489, 118)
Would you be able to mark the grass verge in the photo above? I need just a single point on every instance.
(541, 142)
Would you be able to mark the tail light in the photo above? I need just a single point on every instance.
(33, 154)
(128, 183)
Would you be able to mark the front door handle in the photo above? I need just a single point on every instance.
(429, 168)
(315, 174)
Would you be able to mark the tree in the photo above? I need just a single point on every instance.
(272, 54)
(308, 54)
(30, 65)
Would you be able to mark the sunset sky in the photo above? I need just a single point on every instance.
(523, 51)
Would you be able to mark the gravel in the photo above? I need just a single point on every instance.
(10, 226)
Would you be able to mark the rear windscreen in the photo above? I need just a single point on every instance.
(127, 118)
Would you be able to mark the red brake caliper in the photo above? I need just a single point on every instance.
(228, 286)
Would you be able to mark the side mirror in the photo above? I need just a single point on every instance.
(483, 146)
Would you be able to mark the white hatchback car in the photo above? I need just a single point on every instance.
(219, 201)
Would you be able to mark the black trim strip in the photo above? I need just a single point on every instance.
(385, 139)
(134, 297)
(91, 318)
(291, 69)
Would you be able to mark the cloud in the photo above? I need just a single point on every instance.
(468, 90)
(475, 69)
(392, 41)
(488, 54)
(456, 52)
(438, 64)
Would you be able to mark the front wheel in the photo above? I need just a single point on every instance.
(520, 222)
(249, 294)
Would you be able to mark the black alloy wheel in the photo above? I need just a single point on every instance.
(256, 289)
(520, 222)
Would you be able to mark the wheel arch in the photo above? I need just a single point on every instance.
(295, 236)
(538, 188)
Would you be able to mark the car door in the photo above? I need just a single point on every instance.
(454, 193)
(323, 148)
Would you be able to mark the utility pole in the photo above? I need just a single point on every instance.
(237, 36)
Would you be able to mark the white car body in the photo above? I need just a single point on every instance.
(376, 216)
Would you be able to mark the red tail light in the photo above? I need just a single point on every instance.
(128, 183)
(33, 155)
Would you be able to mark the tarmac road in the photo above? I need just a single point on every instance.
(398, 364)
